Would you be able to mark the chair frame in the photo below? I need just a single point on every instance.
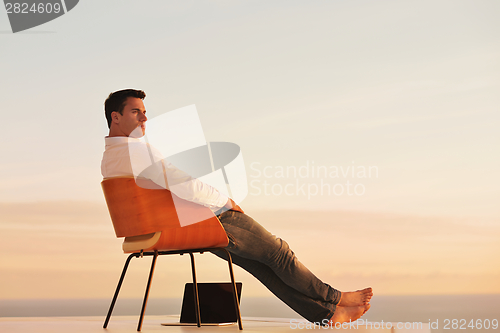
(155, 255)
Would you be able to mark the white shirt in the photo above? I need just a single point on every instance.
(131, 157)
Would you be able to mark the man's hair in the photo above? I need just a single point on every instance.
(116, 101)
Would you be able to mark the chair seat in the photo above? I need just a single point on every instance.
(138, 243)
(207, 234)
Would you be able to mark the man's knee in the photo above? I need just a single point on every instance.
(283, 254)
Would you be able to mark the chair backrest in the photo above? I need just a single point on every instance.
(136, 210)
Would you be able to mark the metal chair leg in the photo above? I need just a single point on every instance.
(195, 292)
(153, 263)
(195, 287)
(235, 292)
(124, 271)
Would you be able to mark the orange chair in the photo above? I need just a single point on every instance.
(149, 221)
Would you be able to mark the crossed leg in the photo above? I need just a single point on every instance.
(272, 262)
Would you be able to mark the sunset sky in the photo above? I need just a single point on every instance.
(409, 89)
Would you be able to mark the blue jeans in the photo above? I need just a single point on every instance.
(271, 261)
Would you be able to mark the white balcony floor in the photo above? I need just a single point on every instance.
(122, 324)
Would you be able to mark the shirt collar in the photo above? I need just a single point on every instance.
(117, 140)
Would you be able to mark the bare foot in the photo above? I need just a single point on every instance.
(356, 298)
(348, 313)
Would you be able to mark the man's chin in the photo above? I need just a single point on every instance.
(137, 133)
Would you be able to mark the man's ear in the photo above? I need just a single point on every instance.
(114, 117)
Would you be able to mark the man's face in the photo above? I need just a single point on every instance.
(134, 117)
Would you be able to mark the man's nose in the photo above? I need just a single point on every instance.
(143, 117)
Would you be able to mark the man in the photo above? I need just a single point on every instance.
(252, 247)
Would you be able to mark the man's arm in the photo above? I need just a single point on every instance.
(186, 187)
(168, 176)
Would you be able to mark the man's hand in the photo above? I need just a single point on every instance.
(231, 205)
